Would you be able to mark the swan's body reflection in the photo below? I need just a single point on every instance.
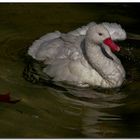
(98, 110)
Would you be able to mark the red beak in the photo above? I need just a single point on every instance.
(114, 47)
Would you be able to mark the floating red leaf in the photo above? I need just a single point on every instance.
(6, 98)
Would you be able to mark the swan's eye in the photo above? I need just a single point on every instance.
(100, 34)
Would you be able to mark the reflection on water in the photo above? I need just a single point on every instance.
(48, 111)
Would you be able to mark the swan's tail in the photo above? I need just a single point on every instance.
(30, 74)
(33, 72)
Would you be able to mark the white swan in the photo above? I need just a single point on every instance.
(82, 57)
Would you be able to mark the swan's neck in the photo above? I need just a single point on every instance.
(110, 70)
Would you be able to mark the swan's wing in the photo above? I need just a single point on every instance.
(82, 30)
(34, 48)
(72, 46)
(59, 67)
(115, 30)
(53, 47)
(42, 48)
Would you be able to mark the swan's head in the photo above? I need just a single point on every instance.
(99, 35)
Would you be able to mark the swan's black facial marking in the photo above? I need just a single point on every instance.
(105, 53)
(100, 34)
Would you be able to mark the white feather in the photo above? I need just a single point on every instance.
(37, 44)
(115, 30)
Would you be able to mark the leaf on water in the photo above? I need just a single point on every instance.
(6, 98)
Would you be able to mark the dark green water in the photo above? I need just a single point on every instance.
(47, 112)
